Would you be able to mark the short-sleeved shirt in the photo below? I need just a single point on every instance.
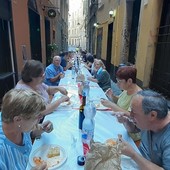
(50, 72)
(103, 80)
(160, 146)
(12, 156)
(41, 89)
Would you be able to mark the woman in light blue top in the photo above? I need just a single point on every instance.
(21, 112)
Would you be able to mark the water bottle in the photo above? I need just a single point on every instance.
(88, 122)
(81, 111)
(86, 88)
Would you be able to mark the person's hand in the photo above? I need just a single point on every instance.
(121, 117)
(43, 166)
(127, 149)
(47, 126)
(106, 103)
(109, 93)
(61, 75)
(62, 90)
(64, 99)
(70, 64)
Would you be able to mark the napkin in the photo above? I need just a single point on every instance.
(103, 157)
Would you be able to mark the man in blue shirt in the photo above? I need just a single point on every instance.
(54, 72)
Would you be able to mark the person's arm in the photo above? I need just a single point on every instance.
(53, 89)
(46, 126)
(113, 106)
(127, 122)
(69, 65)
(110, 95)
(141, 161)
(93, 79)
(57, 77)
(52, 106)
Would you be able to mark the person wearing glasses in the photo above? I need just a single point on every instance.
(21, 112)
(149, 113)
(126, 80)
(32, 77)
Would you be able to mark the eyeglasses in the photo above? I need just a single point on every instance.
(118, 80)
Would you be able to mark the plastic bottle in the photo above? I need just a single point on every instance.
(88, 122)
(86, 88)
(81, 111)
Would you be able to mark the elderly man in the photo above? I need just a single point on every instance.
(149, 113)
(54, 72)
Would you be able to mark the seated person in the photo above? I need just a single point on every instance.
(149, 113)
(101, 77)
(126, 80)
(66, 61)
(89, 63)
(21, 111)
(54, 72)
(84, 57)
(32, 77)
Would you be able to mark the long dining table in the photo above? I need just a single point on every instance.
(66, 133)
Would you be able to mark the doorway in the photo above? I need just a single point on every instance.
(160, 80)
(109, 47)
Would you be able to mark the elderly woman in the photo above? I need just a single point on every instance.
(101, 77)
(21, 111)
(32, 77)
(126, 80)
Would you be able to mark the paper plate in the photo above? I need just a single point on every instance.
(52, 163)
(99, 106)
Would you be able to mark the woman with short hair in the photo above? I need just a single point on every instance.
(32, 77)
(21, 112)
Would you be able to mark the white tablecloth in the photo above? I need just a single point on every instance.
(67, 134)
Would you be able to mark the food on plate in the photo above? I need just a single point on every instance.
(53, 151)
(38, 160)
(111, 142)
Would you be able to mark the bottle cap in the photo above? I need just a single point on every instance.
(81, 160)
(84, 136)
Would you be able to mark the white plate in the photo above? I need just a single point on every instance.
(99, 106)
(51, 162)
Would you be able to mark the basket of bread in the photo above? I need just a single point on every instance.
(104, 155)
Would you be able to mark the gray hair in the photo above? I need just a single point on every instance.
(25, 103)
(153, 101)
(31, 69)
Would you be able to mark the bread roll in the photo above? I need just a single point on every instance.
(54, 151)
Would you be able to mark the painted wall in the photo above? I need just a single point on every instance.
(148, 30)
(21, 30)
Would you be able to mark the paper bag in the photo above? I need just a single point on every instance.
(103, 157)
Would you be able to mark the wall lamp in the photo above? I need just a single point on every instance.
(112, 13)
(96, 24)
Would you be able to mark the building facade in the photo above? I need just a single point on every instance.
(76, 28)
(30, 29)
(134, 32)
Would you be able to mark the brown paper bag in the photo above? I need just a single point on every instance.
(103, 157)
